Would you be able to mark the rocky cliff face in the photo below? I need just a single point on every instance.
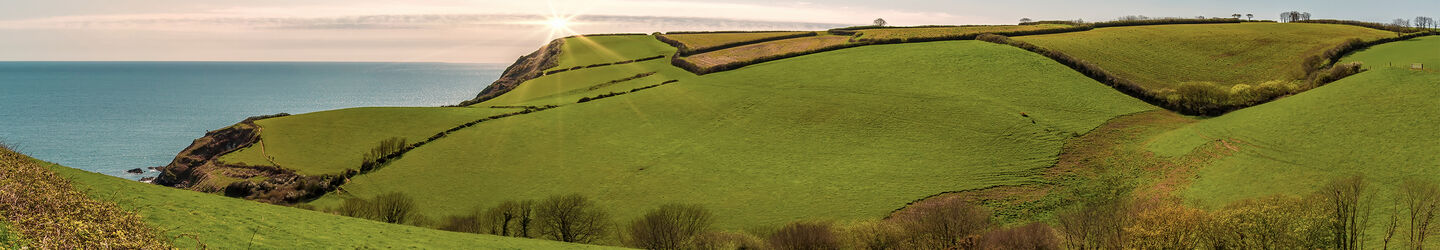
(527, 67)
(198, 168)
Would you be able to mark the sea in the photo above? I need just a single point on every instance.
(109, 117)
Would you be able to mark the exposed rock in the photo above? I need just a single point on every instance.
(200, 162)
(147, 179)
(135, 171)
(527, 67)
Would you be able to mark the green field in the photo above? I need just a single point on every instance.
(1162, 56)
(764, 145)
(1401, 54)
(226, 223)
(702, 41)
(330, 142)
(766, 49)
(903, 33)
(588, 50)
(1379, 123)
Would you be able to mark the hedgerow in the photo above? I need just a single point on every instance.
(1378, 26)
(683, 50)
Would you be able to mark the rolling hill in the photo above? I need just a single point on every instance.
(850, 134)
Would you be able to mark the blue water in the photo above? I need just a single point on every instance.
(108, 117)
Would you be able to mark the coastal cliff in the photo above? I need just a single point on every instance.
(528, 67)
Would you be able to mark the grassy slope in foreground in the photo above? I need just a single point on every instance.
(1379, 123)
(228, 223)
(1163, 56)
(329, 142)
(850, 134)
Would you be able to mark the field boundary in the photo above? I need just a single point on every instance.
(682, 50)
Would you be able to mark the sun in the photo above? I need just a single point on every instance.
(556, 23)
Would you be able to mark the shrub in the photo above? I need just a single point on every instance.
(572, 218)
(947, 224)
(394, 207)
(1164, 225)
(1274, 222)
(510, 218)
(805, 236)
(1035, 235)
(355, 207)
(877, 235)
(464, 224)
(669, 227)
(387, 149)
(727, 241)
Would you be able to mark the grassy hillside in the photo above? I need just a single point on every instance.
(767, 49)
(862, 132)
(932, 32)
(329, 142)
(227, 223)
(588, 50)
(706, 41)
(1163, 56)
(1379, 123)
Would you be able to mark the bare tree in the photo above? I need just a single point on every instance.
(1348, 203)
(572, 218)
(1025, 20)
(1392, 223)
(1250, 16)
(1237, 16)
(805, 236)
(880, 22)
(669, 227)
(948, 224)
(1400, 22)
(1305, 16)
(1424, 22)
(511, 218)
(394, 207)
(1422, 204)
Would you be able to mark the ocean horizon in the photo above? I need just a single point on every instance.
(109, 117)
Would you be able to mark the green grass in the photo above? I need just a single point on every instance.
(850, 134)
(227, 223)
(8, 239)
(902, 33)
(329, 142)
(760, 50)
(1380, 124)
(1424, 50)
(1162, 56)
(701, 41)
(584, 51)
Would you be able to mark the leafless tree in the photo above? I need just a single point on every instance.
(1025, 20)
(1348, 203)
(669, 227)
(511, 218)
(1424, 22)
(1250, 16)
(1422, 204)
(1400, 22)
(394, 207)
(1237, 16)
(805, 236)
(948, 224)
(1392, 222)
(572, 218)
(880, 22)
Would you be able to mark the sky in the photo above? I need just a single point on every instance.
(491, 31)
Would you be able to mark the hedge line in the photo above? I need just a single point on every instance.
(1378, 26)
(727, 31)
(371, 164)
(1085, 68)
(552, 72)
(1314, 65)
(612, 94)
(687, 65)
(682, 50)
(1164, 21)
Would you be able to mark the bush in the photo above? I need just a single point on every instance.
(388, 148)
(1035, 235)
(947, 224)
(394, 207)
(727, 241)
(355, 207)
(510, 218)
(572, 218)
(877, 235)
(805, 236)
(1274, 222)
(669, 227)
